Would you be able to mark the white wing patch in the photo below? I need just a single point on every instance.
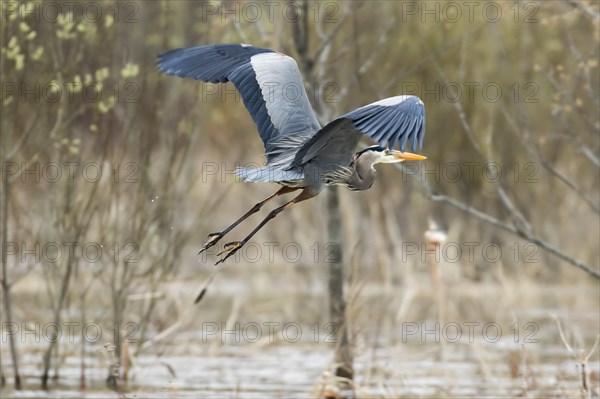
(388, 102)
(268, 174)
(283, 91)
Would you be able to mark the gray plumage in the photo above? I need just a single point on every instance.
(300, 153)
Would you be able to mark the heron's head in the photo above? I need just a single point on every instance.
(378, 154)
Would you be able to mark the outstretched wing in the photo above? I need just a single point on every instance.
(395, 120)
(269, 83)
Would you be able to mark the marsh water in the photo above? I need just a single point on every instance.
(293, 360)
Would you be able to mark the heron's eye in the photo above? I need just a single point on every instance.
(387, 152)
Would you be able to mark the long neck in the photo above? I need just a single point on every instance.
(363, 177)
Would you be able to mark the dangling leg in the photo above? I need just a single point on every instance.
(232, 247)
(213, 238)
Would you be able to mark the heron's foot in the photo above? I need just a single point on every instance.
(230, 248)
(213, 238)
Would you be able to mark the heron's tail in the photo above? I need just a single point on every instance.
(268, 174)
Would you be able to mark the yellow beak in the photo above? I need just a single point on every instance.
(407, 156)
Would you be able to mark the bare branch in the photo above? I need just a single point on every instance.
(580, 6)
(461, 114)
(511, 229)
(535, 151)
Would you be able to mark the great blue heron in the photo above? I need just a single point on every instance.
(300, 153)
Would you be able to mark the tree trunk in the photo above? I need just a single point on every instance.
(337, 300)
(7, 306)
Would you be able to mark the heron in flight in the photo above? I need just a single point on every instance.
(301, 155)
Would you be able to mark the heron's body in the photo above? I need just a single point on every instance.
(300, 153)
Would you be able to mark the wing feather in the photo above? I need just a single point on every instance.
(399, 119)
(262, 76)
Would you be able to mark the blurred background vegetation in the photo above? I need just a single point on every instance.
(509, 87)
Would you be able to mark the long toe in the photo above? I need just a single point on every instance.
(213, 238)
(231, 246)
(229, 249)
